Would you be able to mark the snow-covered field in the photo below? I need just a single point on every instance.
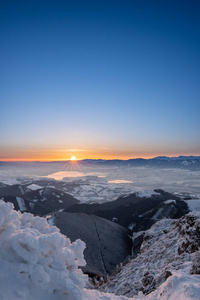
(34, 187)
(194, 204)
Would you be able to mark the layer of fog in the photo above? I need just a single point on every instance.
(121, 179)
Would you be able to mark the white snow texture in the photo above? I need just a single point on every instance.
(37, 261)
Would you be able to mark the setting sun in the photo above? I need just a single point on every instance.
(73, 158)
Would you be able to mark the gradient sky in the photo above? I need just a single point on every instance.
(99, 79)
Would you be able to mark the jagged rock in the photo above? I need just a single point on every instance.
(168, 246)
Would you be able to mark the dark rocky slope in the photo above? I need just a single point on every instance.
(135, 212)
(107, 243)
(38, 202)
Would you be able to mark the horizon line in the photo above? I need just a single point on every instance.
(105, 159)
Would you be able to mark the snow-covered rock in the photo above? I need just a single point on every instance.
(37, 261)
(167, 266)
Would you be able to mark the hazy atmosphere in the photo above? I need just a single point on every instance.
(99, 79)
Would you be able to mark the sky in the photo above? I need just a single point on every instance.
(99, 79)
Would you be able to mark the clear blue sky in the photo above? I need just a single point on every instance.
(99, 78)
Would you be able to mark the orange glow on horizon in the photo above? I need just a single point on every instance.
(42, 159)
(81, 155)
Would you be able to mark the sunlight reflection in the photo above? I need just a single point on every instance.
(120, 181)
(72, 165)
(73, 174)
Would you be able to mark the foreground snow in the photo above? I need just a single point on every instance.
(38, 262)
(177, 287)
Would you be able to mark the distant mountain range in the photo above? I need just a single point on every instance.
(184, 162)
(191, 163)
(132, 160)
(161, 158)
